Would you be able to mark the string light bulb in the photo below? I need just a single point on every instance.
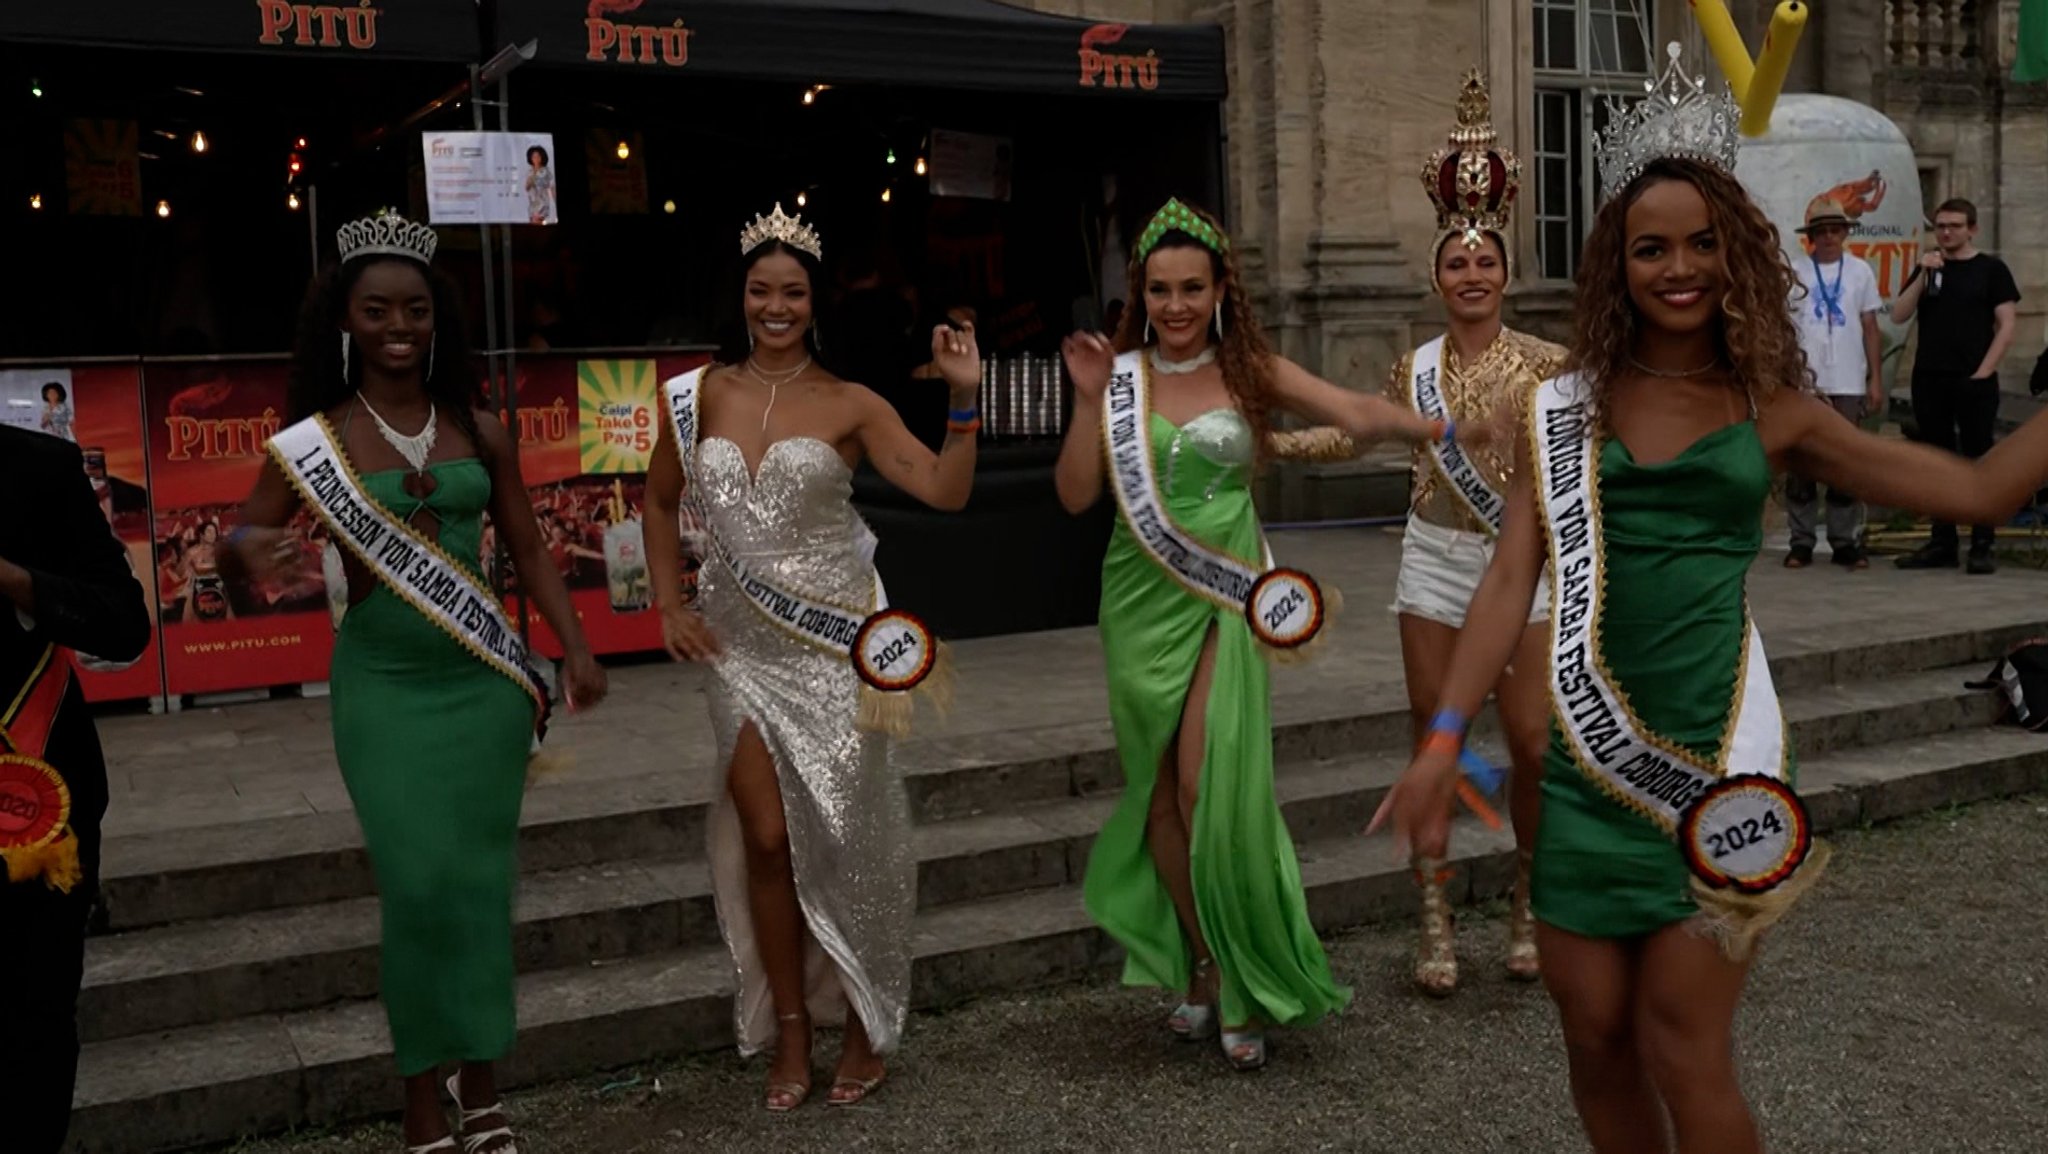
(301, 143)
(669, 207)
(199, 143)
(35, 202)
(891, 158)
(802, 200)
(163, 209)
(920, 166)
(810, 96)
(885, 196)
(625, 151)
(35, 89)
(291, 201)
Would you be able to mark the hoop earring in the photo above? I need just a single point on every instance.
(750, 340)
(431, 345)
(817, 338)
(1148, 330)
(1219, 318)
(344, 358)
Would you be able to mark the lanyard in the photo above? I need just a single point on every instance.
(1829, 307)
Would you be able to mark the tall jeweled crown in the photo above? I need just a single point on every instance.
(1471, 181)
(790, 230)
(1677, 117)
(386, 234)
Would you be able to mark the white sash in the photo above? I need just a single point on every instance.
(1283, 606)
(410, 565)
(1632, 764)
(1452, 461)
(891, 649)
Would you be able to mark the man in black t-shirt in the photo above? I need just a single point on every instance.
(1968, 308)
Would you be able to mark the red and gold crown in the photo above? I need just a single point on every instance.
(1471, 181)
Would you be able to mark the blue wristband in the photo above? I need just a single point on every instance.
(1483, 774)
(1449, 721)
(1450, 429)
(962, 415)
(236, 534)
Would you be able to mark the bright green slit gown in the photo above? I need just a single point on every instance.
(433, 745)
(1247, 883)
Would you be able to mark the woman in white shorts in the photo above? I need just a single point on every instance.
(1478, 370)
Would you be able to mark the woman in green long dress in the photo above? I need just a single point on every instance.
(1687, 392)
(1194, 874)
(433, 743)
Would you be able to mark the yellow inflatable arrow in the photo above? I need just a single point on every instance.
(1755, 83)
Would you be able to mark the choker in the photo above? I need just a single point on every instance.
(1175, 368)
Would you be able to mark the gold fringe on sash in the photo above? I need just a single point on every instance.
(1307, 651)
(55, 862)
(543, 763)
(1735, 920)
(892, 713)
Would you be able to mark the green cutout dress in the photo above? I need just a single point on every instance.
(1247, 883)
(1678, 539)
(433, 746)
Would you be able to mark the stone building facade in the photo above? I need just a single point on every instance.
(1335, 103)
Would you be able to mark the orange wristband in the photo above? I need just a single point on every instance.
(1442, 741)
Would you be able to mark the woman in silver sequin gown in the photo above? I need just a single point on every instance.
(812, 862)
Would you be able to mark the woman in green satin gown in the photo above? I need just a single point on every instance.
(432, 743)
(1695, 377)
(1194, 874)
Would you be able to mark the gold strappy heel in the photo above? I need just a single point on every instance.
(1436, 959)
(1523, 963)
(786, 1096)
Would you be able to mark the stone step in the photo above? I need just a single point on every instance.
(265, 1072)
(281, 961)
(208, 872)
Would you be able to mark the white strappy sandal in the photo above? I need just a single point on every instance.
(472, 1142)
(443, 1143)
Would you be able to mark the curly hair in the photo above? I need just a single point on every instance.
(317, 382)
(1754, 334)
(1246, 358)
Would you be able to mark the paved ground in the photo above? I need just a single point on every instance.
(1903, 1009)
(1018, 696)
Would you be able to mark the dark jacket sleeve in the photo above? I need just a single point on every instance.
(87, 597)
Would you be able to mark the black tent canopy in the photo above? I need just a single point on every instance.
(434, 30)
(957, 44)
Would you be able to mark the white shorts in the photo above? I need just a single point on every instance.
(1440, 571)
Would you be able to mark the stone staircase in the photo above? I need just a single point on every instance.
(233, 991)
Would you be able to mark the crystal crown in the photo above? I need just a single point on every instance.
(790, 230)
(1677, 117)
(1471, 181)
(386, 234)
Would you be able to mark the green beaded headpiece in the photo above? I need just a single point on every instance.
(1177, 217)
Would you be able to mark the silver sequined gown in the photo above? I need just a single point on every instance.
(849, 822)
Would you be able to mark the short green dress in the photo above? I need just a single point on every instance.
(1247, 882)
(1678, 541)
(433, 747)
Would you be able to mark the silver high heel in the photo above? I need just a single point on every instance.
(1245, 1049)
(472, 1142)
(1190, 1021)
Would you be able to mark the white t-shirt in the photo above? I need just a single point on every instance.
(1833, 338)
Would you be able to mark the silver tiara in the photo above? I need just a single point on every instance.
(790, 230)
(386, 234)
(1677, 117)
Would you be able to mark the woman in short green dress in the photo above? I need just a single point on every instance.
(433, 743)
(1692, 371)
(1195, 874)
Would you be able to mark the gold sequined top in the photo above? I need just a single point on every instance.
(1507, 373)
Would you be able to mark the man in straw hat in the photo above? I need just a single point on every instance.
(1837, 319)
